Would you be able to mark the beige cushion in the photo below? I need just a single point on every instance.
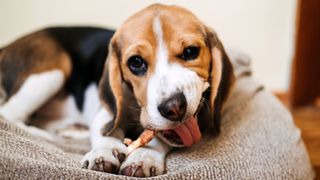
(258, 140)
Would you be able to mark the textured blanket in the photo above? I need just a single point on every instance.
(258, 140)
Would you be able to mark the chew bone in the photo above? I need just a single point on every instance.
(143, 139)
(127, 141)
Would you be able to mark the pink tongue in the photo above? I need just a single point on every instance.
(189, 132)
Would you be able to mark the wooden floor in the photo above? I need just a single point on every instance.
(308, 120)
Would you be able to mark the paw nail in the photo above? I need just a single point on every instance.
(120, 156)
(152, 171)
(85, 164)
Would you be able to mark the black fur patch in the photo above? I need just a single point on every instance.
(212, 122)
(227, 77)
(88, 49)
(223, 91)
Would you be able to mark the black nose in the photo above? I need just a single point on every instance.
(174, 107)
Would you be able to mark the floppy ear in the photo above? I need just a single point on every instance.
(221, 79)
(110, 87)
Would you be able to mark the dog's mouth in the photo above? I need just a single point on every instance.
(184, 135)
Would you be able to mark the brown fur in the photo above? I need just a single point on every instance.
(110, 87)
(31, 54)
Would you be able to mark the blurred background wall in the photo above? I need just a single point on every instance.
(263, 29)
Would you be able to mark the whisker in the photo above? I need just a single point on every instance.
(204, 102)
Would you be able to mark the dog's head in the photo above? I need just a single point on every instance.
(174, 65)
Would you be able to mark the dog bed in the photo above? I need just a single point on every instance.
(258, 140)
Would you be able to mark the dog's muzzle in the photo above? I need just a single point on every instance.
(187, 132)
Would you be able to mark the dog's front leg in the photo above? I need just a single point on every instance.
(146, 161)
(107, 152)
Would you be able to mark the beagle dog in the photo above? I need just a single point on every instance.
(165, 71)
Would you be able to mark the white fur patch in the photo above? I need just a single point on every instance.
(91, 107)
(167, 80)
(70, 112)
(35, 91)
(102, 118)
(71, 115)
(162, 52)
(91, 104)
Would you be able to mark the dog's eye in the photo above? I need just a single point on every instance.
(137, 65)
(190, 53)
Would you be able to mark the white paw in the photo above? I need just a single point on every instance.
(143, 162)
(104, 159)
